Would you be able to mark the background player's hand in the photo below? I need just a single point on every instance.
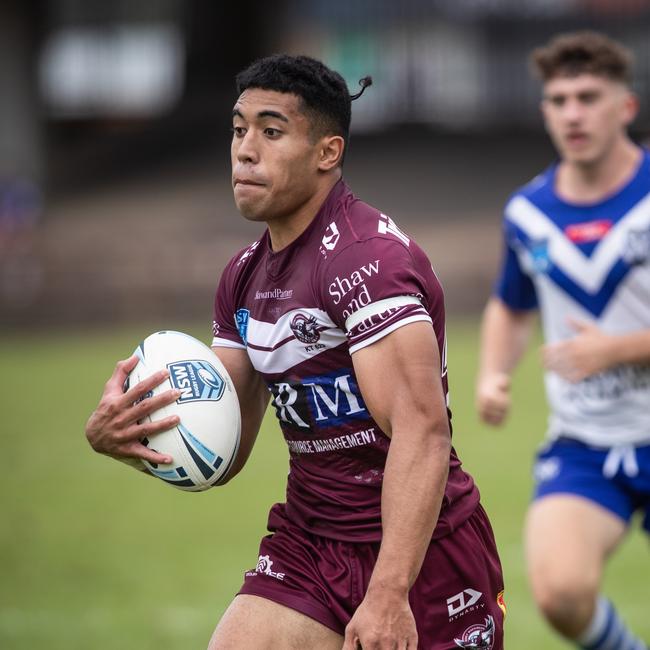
(493, 397)
(383, 621)
(585, 354)
(114, 429)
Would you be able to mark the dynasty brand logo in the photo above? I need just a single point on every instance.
(462, 601)
(331, 237)
(198, 380)
(637, 247)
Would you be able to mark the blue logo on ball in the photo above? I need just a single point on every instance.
(198, 380)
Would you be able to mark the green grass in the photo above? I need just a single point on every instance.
(94, 555)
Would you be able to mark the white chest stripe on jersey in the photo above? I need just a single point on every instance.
(588, 272)
(275, 347)
(271, 335)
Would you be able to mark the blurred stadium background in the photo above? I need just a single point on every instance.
(116, 219)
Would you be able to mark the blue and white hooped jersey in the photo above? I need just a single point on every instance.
(590, 262)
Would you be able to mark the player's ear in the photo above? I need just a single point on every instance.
(630, 108)
(330, 152)
(543, 109)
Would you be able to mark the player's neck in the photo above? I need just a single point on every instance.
(286, 229)
(594, 181)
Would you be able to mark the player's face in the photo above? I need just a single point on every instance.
(586, 115)
(275, 161)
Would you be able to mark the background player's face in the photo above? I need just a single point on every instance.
(275, 159)
(585, 115)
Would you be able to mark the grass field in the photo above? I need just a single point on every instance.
(96, 556)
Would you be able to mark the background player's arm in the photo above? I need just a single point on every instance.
(253, 398)
(400, 380)
(505, 334)
(592, 351)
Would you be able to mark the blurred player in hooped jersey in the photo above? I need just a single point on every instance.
(336, 315)
(577, 246)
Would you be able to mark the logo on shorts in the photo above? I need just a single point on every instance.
(462, 602)
(547, 469)
(304, 328)
(479, 636)
(264, 564)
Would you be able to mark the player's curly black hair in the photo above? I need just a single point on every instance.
(324, 94)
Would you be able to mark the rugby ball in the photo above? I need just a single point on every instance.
(205, 442)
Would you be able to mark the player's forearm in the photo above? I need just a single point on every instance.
(631, 348)
(253, 405)
(505, 335)
(414, 484)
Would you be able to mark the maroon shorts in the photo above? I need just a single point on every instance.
(457, 599)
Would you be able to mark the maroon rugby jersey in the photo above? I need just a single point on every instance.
(349, 279)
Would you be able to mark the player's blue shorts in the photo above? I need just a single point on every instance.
(617, 478)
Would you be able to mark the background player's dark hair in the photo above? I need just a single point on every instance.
(324, 95)
(584, 52)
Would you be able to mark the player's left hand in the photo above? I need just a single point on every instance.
(383, 621)
(584, 355)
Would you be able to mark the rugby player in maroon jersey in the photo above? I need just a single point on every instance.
(337, 317)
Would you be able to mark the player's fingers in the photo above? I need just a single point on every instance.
(494, 412)
(140, 390)
(149, 405)
(138, 431)
(138, 450)
(121, 372)
(351, 640)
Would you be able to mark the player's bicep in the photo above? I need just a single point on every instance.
(400, 380)
(252, 394)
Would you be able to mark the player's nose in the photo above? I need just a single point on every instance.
(247, 151)
(573, 111)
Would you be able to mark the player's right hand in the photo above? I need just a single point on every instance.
(116, 428)
(493, 397)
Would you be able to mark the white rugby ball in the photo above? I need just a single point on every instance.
(205, 442)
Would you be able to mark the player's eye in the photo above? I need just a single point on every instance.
(238, 131)
(589, 98)
(557, 100)
(272, 132)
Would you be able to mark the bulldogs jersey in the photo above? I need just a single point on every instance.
(348, 280)
(590, 262)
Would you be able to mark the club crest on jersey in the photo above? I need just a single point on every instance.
(241, 320)
(479, 636)
(304, 328)
(197, 380)
(637, 247)
(540, 255)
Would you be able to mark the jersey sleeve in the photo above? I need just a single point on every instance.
(371, 288)
(226, 319)
(514, 286)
